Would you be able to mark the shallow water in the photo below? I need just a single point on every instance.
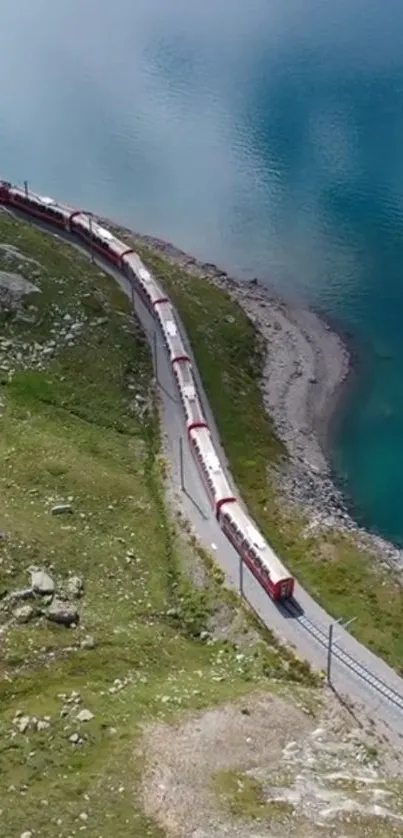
(263, 135)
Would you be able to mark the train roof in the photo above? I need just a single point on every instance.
(89, 223)
(166, 314)
(266, 555)
(188, 386)
(150, 283)
(45, 200)
(212, 462)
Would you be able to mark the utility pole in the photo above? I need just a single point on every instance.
(181, 464)
(156, 355)
(241, 575)
(26, 188)
(330, 643)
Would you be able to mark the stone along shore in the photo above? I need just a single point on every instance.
(306, 368)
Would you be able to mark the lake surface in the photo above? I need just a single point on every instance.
(265, 135)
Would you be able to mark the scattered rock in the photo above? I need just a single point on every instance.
(42, 724)
(26, 834)
(75, 586)
(41, 582)
(87, 643)
(62, 509)
(74, 698)
(24, 613)
(64, 613)
(23, 723)
(85, 716)
(75, 738)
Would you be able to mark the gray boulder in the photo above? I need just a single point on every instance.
(41, 582)
(64, 613)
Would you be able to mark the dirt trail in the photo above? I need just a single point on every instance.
(270, 767)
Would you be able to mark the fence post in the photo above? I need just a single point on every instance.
(241, 575)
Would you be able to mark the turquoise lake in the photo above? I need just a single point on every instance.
(267, 136)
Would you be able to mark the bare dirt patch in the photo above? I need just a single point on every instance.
(272, 766)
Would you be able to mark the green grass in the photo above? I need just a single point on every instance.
(337, 572)
(244, 796)
(69, 431)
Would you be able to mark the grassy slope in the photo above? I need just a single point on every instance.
(69, 431)
(338, 574)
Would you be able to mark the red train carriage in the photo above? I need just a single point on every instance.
(255, 552)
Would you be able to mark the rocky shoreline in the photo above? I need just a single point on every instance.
(306, 371)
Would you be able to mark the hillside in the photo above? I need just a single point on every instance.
(118, 640)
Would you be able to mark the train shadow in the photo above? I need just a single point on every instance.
(290, 609)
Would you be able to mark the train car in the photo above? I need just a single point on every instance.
(99, 239)
(40, 206)
(182, 367)
(5, 196)
(215, 481)
(189, 396)
(255, 551)
(171, 335)
(145, 283)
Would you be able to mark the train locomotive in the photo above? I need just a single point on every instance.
(238, 527)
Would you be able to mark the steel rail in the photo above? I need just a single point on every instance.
(321, 636)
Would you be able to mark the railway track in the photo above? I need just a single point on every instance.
(322, 637)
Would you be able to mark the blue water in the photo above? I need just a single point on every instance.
(265, 135)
